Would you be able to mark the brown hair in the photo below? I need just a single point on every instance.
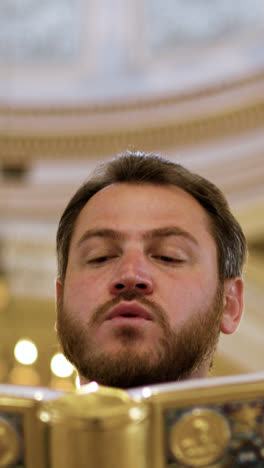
(141, 168)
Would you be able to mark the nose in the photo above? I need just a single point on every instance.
(132, 274)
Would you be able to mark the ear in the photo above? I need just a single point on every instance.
(233, 304)
(59, 292)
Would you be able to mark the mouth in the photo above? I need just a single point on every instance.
(130, 311)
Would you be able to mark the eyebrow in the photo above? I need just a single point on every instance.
(105, 233)
(170, 231)
(163, 232)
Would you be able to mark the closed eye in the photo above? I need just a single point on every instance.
(166, 259)
(99, 259)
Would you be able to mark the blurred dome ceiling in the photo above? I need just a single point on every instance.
(88, 52)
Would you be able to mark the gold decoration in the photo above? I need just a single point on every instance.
(199, 437)
(97, 427)
(246, 417)
(9, 445)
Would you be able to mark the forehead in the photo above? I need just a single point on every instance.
(142, 207)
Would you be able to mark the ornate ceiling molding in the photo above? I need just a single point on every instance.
(241, 82)
(175, 121)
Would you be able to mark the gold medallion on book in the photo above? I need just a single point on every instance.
(200, 437)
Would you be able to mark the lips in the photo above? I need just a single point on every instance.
(129, 311)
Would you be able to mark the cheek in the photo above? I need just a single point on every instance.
(185, 296)
(82, 293)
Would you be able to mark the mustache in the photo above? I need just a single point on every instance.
(157, 312)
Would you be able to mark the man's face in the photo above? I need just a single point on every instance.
(141, 301)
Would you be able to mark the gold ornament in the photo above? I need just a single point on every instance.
(199, 437)
(9, 444)
(246, 417)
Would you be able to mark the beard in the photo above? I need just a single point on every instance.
(176, 355)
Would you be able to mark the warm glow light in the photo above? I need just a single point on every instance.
(23, 376)
(146, 392)
(77, 382)
(60, 366)
(25, 352)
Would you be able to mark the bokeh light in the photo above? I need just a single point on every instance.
(60, 366)
(25, 352)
